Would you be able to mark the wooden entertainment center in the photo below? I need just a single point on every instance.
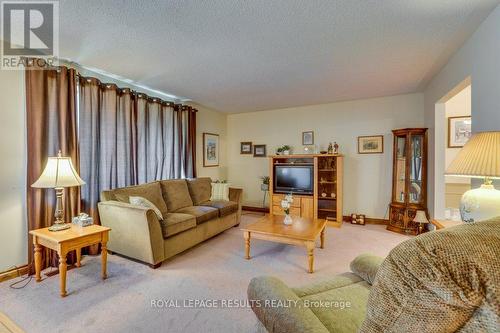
(325, 201)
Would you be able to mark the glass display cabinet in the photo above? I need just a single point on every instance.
(409, 182)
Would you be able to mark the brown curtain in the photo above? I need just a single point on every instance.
(51, 126)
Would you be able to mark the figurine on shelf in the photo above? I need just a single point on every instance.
(335, 148)
(330, 148)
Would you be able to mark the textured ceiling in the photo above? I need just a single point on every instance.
(242, 55)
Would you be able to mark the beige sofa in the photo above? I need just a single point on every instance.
(189, 218)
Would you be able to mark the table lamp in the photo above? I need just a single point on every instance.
(58, 174)
(421, 219)
(479, 158)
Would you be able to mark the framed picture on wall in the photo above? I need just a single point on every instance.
(459, 131)
(308, 138)
(210, 150)
(259, 151)
(373, 144)
(246, 148)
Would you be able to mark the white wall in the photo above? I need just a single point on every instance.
(457, 106)
(211, 121)
(479, 59)
(367, 179)
(13, 228)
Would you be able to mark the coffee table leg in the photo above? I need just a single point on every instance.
(246, 235)
(322, 238)
(78, 257)
(310, 255)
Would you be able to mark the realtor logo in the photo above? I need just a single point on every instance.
(29, 29)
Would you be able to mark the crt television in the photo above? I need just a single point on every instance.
(293, 179)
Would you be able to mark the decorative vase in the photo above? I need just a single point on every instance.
(264, 187)
(287, 220)
(286, 152)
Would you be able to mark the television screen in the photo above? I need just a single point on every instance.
(293, 179)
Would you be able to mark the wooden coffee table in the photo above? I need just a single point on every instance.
(302, 232)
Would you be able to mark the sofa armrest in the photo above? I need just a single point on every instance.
(366, 266)
(236, 195)
(279, 309)
(136, 231)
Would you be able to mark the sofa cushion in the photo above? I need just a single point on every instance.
(202, 213)
(347, 306)
(150, 191)
(174, 223)
(225, 207)
(176, 194)
(200, 190)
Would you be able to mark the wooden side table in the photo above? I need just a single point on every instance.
(68, 240)
(441, 224)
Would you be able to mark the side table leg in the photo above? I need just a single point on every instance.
(246, 235)
(78, 257)
(62, 273)
(38, 261)
(104, 260)
(310, 255)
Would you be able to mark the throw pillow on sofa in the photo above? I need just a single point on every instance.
(220, 192)
(143, 202)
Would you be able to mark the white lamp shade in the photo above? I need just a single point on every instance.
(420, 217)
(59, 172)
(479, 158)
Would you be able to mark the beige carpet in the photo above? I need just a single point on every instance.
(214, 270)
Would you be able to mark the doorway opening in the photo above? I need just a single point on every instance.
(453, 129)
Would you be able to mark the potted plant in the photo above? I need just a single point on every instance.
(265, 183)
(283, 150)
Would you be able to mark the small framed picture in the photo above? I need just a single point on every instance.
(210, 150)
(259, 151)
(371, 144)
(308, 138)
(246, 148)
(459, 131)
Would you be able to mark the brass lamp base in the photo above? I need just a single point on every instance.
(59, 226)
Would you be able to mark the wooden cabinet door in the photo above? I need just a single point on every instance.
(307, 207)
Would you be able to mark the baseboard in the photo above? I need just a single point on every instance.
(255, 209)
(7, 325)
(369, 220)
(13, 273)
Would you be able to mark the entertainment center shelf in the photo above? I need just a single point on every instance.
(315, 181)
